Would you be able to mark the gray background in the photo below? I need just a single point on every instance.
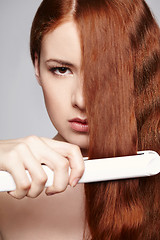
(22, 109)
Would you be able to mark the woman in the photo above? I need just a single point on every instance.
(98, 65)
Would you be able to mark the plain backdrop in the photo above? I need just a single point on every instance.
(22, 108)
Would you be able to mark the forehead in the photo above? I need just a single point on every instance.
(62, 43)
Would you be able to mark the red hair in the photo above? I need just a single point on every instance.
(119, 84)
(120, 43)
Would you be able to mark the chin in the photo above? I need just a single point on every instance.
(81, 140)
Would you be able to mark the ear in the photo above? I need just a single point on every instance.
(37, 68)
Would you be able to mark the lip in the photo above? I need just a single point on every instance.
(79, 125)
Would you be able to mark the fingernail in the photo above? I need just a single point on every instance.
(75, 181)
(49, 194)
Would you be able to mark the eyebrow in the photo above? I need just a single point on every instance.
(62, 62)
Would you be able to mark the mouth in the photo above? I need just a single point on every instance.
(79, 125)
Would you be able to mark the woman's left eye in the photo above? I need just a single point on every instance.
(61, 71)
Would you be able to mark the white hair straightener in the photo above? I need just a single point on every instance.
(145, 163)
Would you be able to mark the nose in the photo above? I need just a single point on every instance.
(77, 97)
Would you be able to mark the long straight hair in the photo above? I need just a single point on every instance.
(122, 87)
(120, 44)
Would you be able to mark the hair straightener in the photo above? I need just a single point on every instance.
(145, 163)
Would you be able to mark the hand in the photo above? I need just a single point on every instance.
(29, 153)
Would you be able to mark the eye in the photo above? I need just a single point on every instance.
(61, 71)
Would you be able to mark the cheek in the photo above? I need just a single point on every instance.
(51, 100)
(57, 101)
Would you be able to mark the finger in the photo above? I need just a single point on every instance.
(54, 161)
(61, 176)
(26, 159)
(41, 148)
(39, 179)
(76, 165)
(73, 153)
(21, 180)
(37, 174)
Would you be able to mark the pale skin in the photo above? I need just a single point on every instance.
(36, 215)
